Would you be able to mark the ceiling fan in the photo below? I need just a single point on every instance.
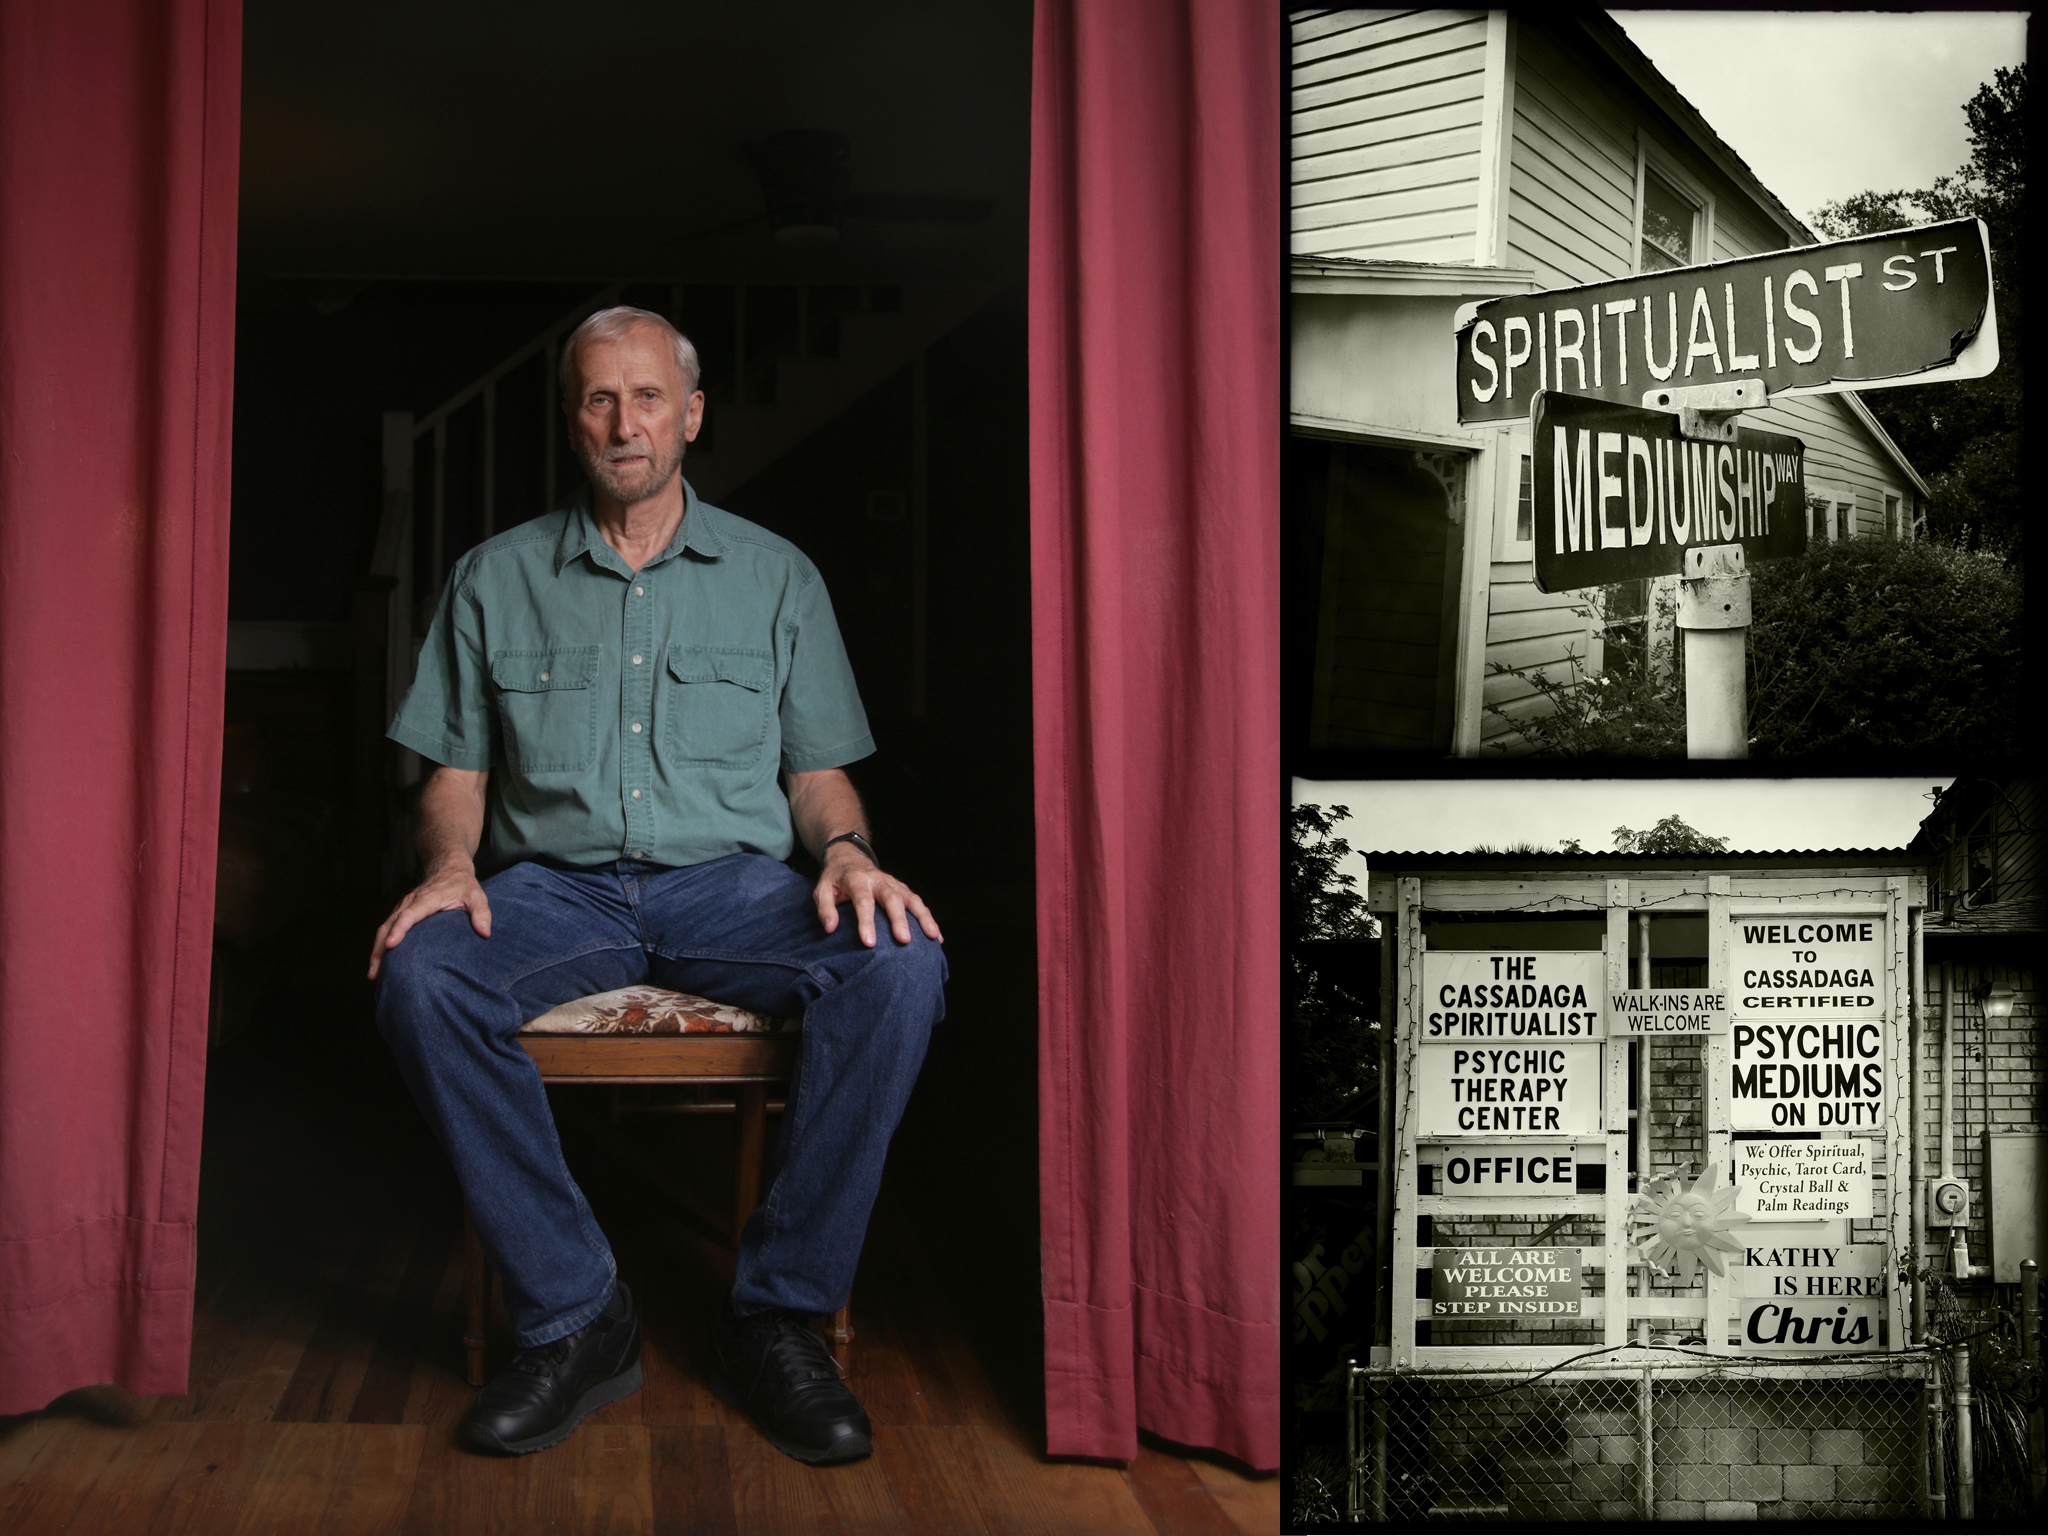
(805, 176)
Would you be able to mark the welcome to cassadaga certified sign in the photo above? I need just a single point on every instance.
(1906, 307)
(1807, 1042)
(1617, 495)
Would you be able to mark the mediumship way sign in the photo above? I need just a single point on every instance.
(1906, 307)
(1619, 495)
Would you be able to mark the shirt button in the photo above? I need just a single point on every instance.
(636, 727)
(641, 854)
(636, 661)
(636, 794)
(639, 591)
(543, 677)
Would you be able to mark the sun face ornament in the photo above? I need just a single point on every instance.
(1676, 1228)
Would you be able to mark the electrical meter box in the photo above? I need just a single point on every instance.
(2016, 1187)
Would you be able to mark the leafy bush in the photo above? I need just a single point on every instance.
(1868, 645)
(1875, 646)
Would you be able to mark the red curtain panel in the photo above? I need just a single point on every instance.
(118, 139)
(1155, 448)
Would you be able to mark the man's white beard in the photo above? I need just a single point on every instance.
(628, 488)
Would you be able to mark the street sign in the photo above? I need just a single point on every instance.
(1488, 995)
(1906, 307)
(1618, 495)
(1506, 1282)
(1667, 1013)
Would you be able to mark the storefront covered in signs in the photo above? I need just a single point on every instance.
(1651, 1190)
(1445, 159)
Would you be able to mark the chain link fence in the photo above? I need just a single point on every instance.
(1683, 1441)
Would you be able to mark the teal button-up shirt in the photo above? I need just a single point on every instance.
(626, 715)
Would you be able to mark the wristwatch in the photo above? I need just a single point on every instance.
(857, 840)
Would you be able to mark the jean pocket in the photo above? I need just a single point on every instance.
(720, 705)
(547, 704)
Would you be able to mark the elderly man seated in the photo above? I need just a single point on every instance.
(613, 691)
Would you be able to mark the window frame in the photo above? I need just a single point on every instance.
(1653, 159)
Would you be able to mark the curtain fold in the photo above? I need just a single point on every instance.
(119, 126)
(1155, 444)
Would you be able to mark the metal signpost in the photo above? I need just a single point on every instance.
(1633, 389)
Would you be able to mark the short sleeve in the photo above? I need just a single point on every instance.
(823, 723)
(447, 716)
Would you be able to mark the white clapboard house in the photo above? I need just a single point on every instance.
(1444, 157)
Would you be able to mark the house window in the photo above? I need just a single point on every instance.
(1525, 503)
(1624, 611)
(1892, 528)
(1669, 226)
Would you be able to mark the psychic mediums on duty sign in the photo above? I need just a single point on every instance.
(1506, 1282)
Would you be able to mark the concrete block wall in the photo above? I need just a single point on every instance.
(1569, 1451)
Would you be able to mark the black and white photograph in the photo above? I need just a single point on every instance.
(1662, 1080)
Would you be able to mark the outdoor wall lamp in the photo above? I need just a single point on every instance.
(1995, 1001)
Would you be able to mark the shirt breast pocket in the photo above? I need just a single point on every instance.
(547, 704)
(720, 705)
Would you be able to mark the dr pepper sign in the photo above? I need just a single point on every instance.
(1906, 307)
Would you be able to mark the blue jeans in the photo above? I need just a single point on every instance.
(741, 929)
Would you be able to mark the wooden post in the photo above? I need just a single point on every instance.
(1401, 1289)
(1643, 1274)
(1714, 1086)
(2030, 1349)
(1614, 1220)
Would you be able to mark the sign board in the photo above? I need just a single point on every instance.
(1486, 995)
(1808, 967)
(1807, 1042)
(1511, 1090)
(1667, 1013)
(1506, 1282)
(1817, 1299)
(1618, 495)
(1510, 1170)
(1909, 306)
(1803, 1180)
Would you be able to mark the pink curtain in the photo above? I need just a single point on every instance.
(1155, 464)
(118, 140)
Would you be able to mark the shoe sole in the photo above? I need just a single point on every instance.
(810, 1455)
(625, 1384)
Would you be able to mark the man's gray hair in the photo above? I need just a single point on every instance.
(612, 325)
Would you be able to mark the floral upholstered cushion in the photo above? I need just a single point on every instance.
(652, 1011)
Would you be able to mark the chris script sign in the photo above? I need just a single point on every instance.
(1907, 307)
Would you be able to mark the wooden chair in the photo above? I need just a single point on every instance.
(649, 1035)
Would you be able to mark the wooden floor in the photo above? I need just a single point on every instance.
(326, 1361)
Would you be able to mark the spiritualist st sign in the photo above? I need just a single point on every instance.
(1910, 306)
(1619, 495)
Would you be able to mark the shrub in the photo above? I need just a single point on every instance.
(1875, 646)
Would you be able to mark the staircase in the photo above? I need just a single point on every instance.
(779, 362)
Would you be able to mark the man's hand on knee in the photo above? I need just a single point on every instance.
(850, 875)
(450, 888)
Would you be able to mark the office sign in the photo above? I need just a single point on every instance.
(1667, 1013)
(1509, 1170)
(1780, 1181)
(1489, 995)
(1906, 307)
(1488, 1088)
(1506, 1282)
(1618, 495)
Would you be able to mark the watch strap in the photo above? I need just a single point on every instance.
(858, 841)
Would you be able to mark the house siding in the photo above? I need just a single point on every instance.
(1384, 136)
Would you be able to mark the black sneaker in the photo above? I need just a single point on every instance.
(539, 1399)
(773, 1366)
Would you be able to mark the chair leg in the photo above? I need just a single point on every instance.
(752, 1115)
(476, 1288)
(839, 1334)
